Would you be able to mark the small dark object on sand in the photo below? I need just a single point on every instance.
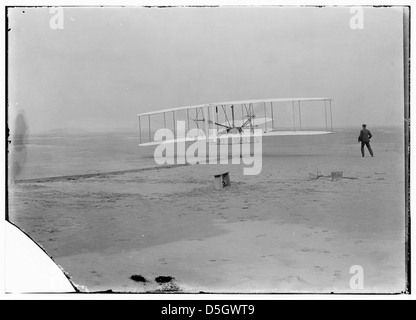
(164, 279)
(138, 278)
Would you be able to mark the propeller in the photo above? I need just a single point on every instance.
(229, 128)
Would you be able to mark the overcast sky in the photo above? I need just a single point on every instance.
(108, 64)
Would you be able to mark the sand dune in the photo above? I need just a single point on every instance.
(279, 231)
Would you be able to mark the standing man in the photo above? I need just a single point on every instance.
(364, 138)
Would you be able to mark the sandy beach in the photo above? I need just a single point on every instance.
(280, 231)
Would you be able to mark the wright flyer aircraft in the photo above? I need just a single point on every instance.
(233, 120)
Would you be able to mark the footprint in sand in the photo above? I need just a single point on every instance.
(97, 274)
(358, 242)
(293, 281)
(320, 268)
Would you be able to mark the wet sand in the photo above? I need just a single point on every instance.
(280, 231)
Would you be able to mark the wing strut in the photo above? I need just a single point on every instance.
(232, 114)
(330, 111)
(293, 114)
(225, 114)
(140, 131)
(196, 116)
(150, 135)
(174, 123)
(206, 120)
(326, 120)
(187, 116)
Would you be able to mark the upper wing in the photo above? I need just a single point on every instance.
(171, 110)
(229, 103)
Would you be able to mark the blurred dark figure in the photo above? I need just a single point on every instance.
(364, 138)
(18, 146)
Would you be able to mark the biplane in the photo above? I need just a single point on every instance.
(217, 122)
